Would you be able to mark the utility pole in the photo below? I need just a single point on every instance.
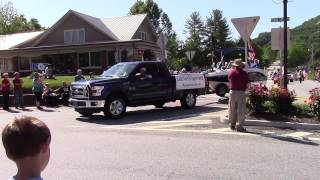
(285, 44)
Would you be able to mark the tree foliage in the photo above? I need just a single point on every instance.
(217, 26)
(13, 22)
(158, 18)
(297, 55)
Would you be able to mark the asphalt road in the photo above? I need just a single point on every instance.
(168, 143)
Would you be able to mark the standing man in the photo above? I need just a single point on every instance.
(17, 90)
(79, 76)
(5, 88)
(239, 82)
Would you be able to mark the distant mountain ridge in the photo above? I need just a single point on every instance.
(308, 33)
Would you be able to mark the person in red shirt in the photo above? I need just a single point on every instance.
(239, 82)
(5, 88)
(17, 90)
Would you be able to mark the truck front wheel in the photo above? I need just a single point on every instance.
(188, 100)
(115, 107)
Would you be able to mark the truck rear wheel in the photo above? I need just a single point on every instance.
(188, 100)
(115, 107)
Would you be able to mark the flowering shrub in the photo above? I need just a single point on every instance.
(258, 94)
(275, 100)
(314, 101)
(282, 99)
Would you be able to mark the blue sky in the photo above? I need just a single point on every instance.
(49, 11)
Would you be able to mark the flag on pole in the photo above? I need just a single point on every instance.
(251, 53)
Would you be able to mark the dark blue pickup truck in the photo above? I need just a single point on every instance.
(135, 84)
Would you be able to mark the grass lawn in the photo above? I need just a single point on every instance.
(54, 83)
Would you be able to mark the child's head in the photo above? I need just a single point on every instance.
(5, 75)
(27, 137)
(17, 75)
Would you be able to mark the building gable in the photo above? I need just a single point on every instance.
(74, 21)
(146, 30)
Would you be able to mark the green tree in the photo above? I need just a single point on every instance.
(195, 35)
(297, 55)
(149, 7)
(13, 22)
(217, 26)
(268, 56)
(34, 24)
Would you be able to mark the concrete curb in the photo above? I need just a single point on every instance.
(277, 124)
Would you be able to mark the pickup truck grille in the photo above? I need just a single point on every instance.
(80, 92)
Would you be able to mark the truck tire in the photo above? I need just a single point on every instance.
(115, 107)
(188, 100)
(85, 113)
(159, 105)
(221, 90)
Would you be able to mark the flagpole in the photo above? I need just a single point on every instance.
(246, 51)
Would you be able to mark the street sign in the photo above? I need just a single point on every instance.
(279, 19)
(190, 54)
(245, 26)
(277, 38)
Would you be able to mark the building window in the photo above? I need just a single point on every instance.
(127, 55)
(84, 60)
(143, 35)
(96, 58)
(91, 59)
(4, 65)
(24, 63)
(74, 36)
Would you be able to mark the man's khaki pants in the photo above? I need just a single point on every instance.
(237, 108)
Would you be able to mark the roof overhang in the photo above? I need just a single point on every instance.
(69, 48)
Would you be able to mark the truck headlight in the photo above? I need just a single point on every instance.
(96, 90)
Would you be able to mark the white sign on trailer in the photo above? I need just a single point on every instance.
(190, 81)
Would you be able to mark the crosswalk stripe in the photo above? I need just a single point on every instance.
(175, 125)
(298, 134)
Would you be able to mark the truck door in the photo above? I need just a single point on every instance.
(164, 82)
(142, 88)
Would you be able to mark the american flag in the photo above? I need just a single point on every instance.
(251, 53)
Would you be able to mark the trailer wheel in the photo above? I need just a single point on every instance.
(188, 100)
(221, 90)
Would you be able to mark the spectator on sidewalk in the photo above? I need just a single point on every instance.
(5, 88)
(26, 141)
(17, 90)
(63, 92)
(49, 96)
(37, 88)
(79, 76)
(239, 82)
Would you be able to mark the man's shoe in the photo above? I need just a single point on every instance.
(243, 130)
(232, 128)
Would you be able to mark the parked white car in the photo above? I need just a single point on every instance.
(218, 82)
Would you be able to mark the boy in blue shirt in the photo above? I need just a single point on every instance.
(27, 143)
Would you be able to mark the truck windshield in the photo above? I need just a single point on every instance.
(119, 70)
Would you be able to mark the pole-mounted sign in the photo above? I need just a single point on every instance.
(190, 54)
(245, 27)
